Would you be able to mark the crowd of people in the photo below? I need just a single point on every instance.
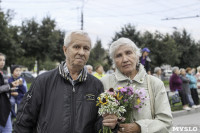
(64, 99)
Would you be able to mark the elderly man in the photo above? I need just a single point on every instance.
(63, 100)
(155, 116)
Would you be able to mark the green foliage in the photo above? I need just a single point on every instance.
(177, 49)
(98, 56)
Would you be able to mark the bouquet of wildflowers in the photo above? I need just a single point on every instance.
(120, 102)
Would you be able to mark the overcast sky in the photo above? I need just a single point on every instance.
(102, 18)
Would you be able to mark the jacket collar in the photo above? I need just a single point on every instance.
(138, 78)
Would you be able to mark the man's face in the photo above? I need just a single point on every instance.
(78, 51)
(2, 62)
(16, 72)
(125, 59)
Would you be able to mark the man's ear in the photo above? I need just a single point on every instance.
(65, 50)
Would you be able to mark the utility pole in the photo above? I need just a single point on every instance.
(0, 4)
(82, 18)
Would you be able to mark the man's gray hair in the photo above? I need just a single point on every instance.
(175, 68)
(156, 69)
(123, 41)
(67, 38)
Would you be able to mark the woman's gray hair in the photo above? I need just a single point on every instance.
(123, 41)
(1, 54)
(198, 69)
(89, 66)
(67, 38)
(174, 69)
(156, 69)
(182, 69)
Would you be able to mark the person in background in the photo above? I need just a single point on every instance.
(198, 77)
(5, 106)
(17, 95)
(158, 72)
(145, 60)
(193, 86)
(175, 83)
(186, 87)
(89, 69)
(99, 72)
(63, 100)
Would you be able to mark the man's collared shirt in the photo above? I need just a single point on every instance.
(64, 71)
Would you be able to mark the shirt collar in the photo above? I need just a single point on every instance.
(64, 72)
(139, 77)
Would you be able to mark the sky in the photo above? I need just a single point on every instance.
(102, 18)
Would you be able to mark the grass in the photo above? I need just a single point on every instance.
(28, 85)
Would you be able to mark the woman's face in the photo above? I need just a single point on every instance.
(125, 59)
(183, 72)
(2, 62)
(100, 70)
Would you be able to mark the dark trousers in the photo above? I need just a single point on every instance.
(195, 96)
(183, 96)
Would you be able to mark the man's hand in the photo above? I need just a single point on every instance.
(110, 120)
(129, 128)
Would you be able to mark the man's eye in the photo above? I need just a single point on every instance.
(86, 48)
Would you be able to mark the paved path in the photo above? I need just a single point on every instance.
(187, 123)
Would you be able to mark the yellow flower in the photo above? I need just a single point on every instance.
(119, 98)
(138, 101)
(104, 101)
(119, 88)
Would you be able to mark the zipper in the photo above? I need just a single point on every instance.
(73, 89)
(73, 108)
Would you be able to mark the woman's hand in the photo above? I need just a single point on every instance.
(110, 120)
(129, 128)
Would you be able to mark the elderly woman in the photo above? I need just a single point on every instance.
(155, 115)
(176, 83)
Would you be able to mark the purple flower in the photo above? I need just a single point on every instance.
(141, 92)
(123, 90)
(111, 91)
(125, 100)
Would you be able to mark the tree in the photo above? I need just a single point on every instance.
(130, 32)
(190, 50)
(41, 42)
(97, 56)
(9, 39)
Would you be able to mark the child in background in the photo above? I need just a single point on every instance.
(18, 94)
